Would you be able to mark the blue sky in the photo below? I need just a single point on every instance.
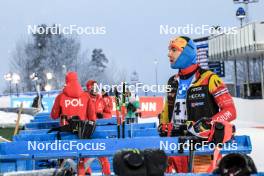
(132, 38)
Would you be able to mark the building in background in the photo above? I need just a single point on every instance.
(245, 49)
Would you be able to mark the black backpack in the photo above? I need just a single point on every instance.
(156, 162)
(236, 164)
(129, 163)
(149, 162)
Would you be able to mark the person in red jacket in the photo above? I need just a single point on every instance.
(72, 101)
(99, 106)
(108, 102)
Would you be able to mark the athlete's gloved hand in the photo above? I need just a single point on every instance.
(179, 129)
(203, 124)
(221, 132)
(201, 128)
(162, 129)
(131, 107)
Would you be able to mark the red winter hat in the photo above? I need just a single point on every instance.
(72, 87)
(71, 76)
(89, 84)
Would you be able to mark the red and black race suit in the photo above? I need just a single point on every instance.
(200, 103)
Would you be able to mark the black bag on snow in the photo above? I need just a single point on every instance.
(156, 162)
(149, 162)
(236, 164)
(129, 163)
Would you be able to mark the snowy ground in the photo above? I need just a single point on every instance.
(256, 136)
(4, 101)
(250, 121)
(9, 119)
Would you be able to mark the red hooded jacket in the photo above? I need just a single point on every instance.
(73, 101)
(102, 105)
(108, 101)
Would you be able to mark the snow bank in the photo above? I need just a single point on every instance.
(9, 119)
(250, 110)
(4, 101)
(42, 172)
(256, 137)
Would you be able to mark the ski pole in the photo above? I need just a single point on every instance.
(131, 129)
(123, 109)
(117, 112)
(191, 155)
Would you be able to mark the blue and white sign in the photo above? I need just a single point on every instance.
(240, 13)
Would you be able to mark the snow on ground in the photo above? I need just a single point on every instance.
(250, 110)
(4, 101)
(43, 172)
(256, 137)
(250, 121)
(8, 119)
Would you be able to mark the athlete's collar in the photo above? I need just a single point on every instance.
(189, 71)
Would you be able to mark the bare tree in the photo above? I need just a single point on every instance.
(57, 53)
(44, 53)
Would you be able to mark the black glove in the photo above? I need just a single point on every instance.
(179, 130)
(131, 107)
(99, 115)
(162, 132)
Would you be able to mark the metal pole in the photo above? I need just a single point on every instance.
(261, 76)
(235, 69)
(248, 78)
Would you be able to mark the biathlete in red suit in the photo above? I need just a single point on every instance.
(99, 105)
(73, 101)
(108, 105)
(199, 96)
